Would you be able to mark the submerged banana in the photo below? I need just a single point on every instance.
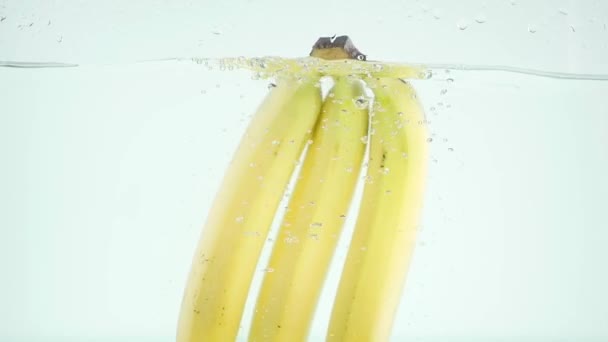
(236, 228)
(383, 241)
(313, 222)
(243, 211)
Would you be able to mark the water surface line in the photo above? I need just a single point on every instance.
(446, 66)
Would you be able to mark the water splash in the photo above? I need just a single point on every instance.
(403, 70)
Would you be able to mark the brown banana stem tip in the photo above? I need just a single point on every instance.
(336, 48)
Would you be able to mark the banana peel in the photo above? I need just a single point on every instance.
(376, 266)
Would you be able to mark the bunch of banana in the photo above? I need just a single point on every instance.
(332, 135)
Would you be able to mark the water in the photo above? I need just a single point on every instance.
(111, 156)
(109, 171)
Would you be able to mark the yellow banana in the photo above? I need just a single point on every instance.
(314, 218)
(383, 241)
(243, 211)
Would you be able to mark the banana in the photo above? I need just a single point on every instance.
(243, 211)
(314, 218)
(378, 258)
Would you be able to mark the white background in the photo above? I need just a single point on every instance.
(107, 170)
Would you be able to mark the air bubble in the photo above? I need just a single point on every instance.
(425, 74)
(480, 18)
(251, 233)
(436, 14)
(364, 139)
(462, 25)
(239, 219)
(291, 239)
